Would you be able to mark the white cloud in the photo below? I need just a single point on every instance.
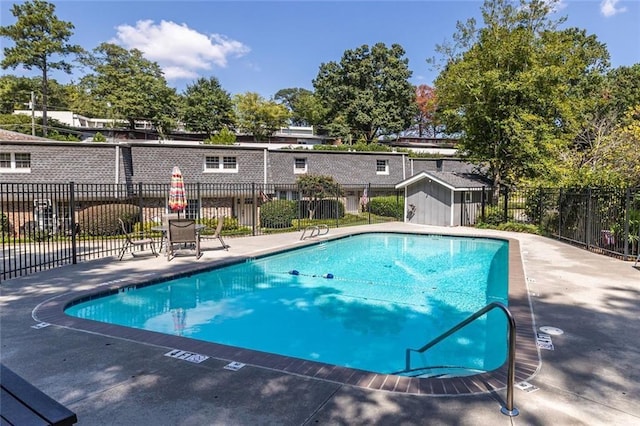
(609, 8)
(181, 51)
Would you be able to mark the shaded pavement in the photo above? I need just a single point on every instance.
(590, 378)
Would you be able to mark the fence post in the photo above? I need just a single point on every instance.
(338, 190)
(483, 202)
(506, 203)
(300, 204)
(72, 222)
(541, 194)
(560, 213)
(140, 206)
(368, 205)
(627, 218)
(253, 208)
(198, 217)
(587, 222)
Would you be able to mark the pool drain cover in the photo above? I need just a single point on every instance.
(551, 330)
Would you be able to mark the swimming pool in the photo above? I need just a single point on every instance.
(358, 302)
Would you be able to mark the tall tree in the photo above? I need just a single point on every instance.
(317, 187)
(425, 118)
(14, 93)
(259, 117)
(130, 86)
(607, 146)
(309, 110)
(517, 93)
(368, 90)
(623, 89)
(611, 157)
(290, 98)
(39, 37)
(207, 107)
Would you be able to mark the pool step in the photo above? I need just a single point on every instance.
(441, 372)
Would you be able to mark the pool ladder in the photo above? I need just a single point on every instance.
(508, 409)
(316, 230)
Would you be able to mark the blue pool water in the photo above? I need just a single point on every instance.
(358, 302)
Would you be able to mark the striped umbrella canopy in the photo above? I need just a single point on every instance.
(177, 195)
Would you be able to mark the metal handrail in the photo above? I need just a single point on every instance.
(323, 227)
(508, 409)
(315, 228)
(312, 228)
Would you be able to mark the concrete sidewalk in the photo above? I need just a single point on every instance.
(591, 377)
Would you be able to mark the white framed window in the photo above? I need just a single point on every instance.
(229, 163)
(299, 165)
(211, 163)
(382, 167)
(15, 162)
(220, 164)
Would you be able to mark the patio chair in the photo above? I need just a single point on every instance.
(135, 239)
(165, 224)
(217, 234)
(182, 231)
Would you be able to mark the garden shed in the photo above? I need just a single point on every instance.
(443, 198)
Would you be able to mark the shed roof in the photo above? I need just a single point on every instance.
(453, 180)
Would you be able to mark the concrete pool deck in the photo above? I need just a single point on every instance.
(591, 376)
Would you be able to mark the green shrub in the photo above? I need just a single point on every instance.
(4, 223)
(493, 215)
(223, 137)
(99, 137)
(549, 222)
(103, 219)
(511, 226)
(519, 227)
(231, 226)
(390, 206)
(278, 214)
(538, 202)
(63, 137)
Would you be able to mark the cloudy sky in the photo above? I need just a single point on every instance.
(265, 46)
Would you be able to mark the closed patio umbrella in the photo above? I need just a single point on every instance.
(177, 195)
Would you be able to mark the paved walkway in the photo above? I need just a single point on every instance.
(590, 378)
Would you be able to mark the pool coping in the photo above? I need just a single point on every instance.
(527, 356)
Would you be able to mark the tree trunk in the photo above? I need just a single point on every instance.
(44, 99)
(496, 187)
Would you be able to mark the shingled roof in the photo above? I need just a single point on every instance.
(452, 180)
(8, 135)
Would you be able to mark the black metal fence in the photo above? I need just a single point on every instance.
(606, 220)
(50, 225)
